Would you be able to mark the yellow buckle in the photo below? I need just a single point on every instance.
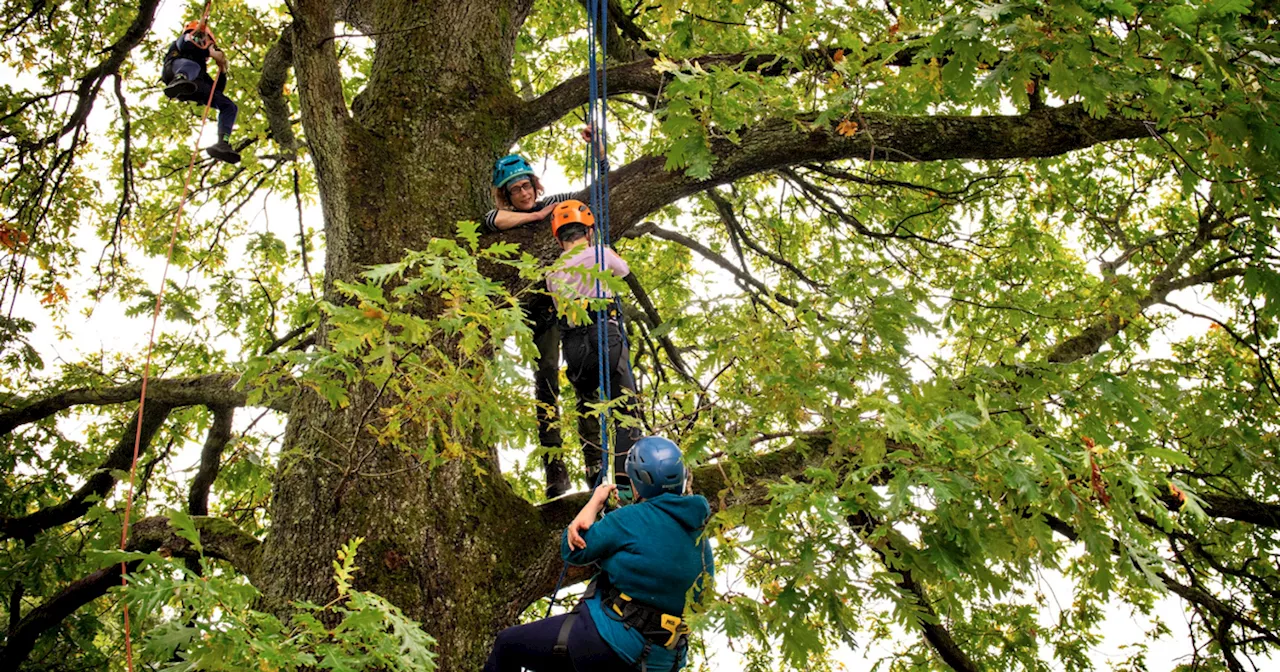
(676, 627)
(623, 597)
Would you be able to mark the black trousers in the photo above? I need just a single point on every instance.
(540, 313)
(530, 647)
(582, 365)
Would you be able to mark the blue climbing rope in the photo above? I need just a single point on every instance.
(597, 175)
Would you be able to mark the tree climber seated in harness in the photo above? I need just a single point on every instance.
(186, 77)
(518, 194)
(650, 555)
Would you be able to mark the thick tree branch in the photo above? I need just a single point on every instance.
(324, 109)
(626, 39)
(218, 389)
(1242, 509)
(91, 82)
(210, 460)
(220, 538)
(645, 185)
(642, 77)
(275, 73)
(97, 485)
(1091, 339)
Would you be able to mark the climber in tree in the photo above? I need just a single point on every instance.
(650, 554)
(573, 287)
(518, 194)
(186, 78)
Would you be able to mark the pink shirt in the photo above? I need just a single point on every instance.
(569, 283)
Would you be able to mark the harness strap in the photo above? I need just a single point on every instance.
(561, 647)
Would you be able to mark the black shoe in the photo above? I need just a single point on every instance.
(557, 477)
(593, 476)
(180, 86)
(223, 152)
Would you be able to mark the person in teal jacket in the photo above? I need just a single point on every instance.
(651, 555)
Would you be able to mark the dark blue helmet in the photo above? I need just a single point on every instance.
(509, 168)
(655, 465)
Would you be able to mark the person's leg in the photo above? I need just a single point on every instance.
(227, 112)
(580, 367)
(622, 384)
(546, 388)
(182, 83)
(589, 651)
(530, 647)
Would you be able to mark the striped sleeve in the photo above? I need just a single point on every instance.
(490, 221)
(552, 200)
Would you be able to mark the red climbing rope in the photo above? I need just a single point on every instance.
(146, 368)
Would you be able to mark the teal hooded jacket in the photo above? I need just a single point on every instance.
(654, 552)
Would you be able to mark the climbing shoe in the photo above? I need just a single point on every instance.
(557, 477)
(223, 152)
(180, 86)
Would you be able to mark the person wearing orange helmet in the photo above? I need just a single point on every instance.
(186, 78)
(571, 283)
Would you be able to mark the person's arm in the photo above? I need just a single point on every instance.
(616, 263)
(588, 134)
(588, 539)
(220, 58)
(501, 220)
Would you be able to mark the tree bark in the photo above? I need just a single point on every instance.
(450, 546)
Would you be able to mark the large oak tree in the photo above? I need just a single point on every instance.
(937, 296)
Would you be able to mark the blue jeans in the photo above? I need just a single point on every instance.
(227, 109)
(530, 647)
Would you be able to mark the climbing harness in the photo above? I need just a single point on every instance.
(146, 368)
(658, 628)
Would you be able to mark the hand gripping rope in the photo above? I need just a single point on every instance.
(146, 368)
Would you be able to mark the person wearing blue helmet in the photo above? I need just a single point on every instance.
(518, 194)
(650, 555)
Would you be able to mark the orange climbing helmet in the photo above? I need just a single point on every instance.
(571, 212)
(193, 26)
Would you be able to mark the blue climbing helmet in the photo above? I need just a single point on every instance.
(509, 168)
(655, 465)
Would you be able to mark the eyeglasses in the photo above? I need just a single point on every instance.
(523, 185)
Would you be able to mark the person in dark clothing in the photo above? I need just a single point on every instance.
(650, 554)
(518, 194)
(186, 76)
(571, 223)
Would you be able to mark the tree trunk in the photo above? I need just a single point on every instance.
(450, 547)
